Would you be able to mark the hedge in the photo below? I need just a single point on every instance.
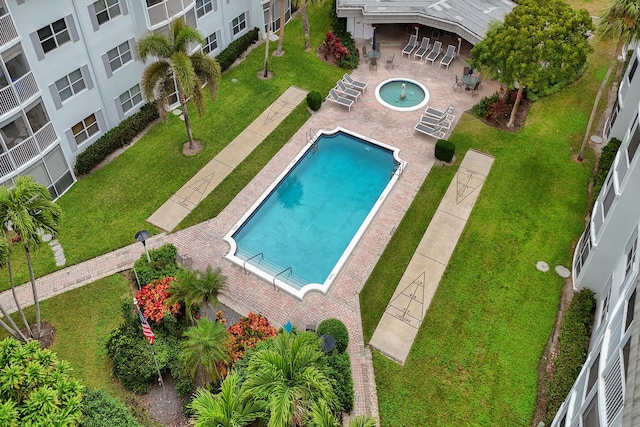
(237, 47)
(572, 351)
(339, 29)
(116, 138)
(337, 330)
(607, 157)
(99, 410)
(339, 370)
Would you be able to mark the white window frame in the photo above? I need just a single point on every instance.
(204, 7)
(238, 25)
(59, 37)
(207, 48)
(123, 55)
(87, 129)
(111, 10)
(131, 96)
(72, 85)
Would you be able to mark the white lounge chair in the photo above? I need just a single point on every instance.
(448, 57)
(435, 52)
(445, 115)
(335, 97)
(355, 84)
(413, 42)
(432, 121)
(424, 47)
(428, 130)
(352, 93)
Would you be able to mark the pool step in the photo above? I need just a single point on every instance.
(271, 268)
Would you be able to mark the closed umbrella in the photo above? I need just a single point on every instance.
(374, 39)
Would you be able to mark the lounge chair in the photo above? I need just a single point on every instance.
(448, 57)
(432, 121)
(435, 52)
(428, 130)
(355, 84)
(352, 93)
(335, 97)
(424, 47)
(413, 42)
(445, 115)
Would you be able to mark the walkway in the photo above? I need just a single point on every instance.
(403, 316)
(174, 210)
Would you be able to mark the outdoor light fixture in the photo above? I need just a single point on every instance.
(142, 236)
(459, 44)
(328, 343)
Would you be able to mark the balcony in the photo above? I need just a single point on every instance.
(24, 151)
(161, 11)
(17, 92)
(8, 31)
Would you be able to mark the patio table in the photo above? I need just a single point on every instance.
(374, 54)
(469, 80)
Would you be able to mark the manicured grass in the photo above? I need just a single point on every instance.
(103, 210)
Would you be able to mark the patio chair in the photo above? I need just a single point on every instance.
(458, 83)
(424, 47)
(334, 96)
(432, 121)
(448, 57)
(435, 52)
(364, 53)
(413, 41)
(445, 115)
(428, 130)
(474, 89)
(389, 63)
(373, 63)
(352, 93)
(465, 71)
(355, 84)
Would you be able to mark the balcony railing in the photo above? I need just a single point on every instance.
(162, 12)
(17, 92)
(27, 150)
(7, 30)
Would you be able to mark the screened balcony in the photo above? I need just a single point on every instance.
(17, 84)
(8, 31)
(161, 11)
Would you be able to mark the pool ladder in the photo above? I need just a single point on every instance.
(312, 137)
(396, 171)
(244, 264)
(289, 269)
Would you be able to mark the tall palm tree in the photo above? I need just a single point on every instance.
(302, 6)
(11, 327)
(620, 21)
(27, 211)
(290, 378)
(175, 68)
(226, 409)
(204, 348)
(279, 50)
(266, 44)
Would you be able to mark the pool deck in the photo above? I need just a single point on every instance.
(204, 242)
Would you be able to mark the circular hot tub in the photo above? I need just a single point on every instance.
(402, 94)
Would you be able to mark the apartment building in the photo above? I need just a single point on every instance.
(69, 71)
(607, 391)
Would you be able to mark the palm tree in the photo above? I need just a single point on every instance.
(26, 210)
(363, 421)
(226, 409)
(618, 22)
(196, 288)
(204, 348)
(12, 328)
(266, 44)
(182, 291)
(322, 416)
(279, 50)
(290, 378)
(175, 68)
(302, 5)
(209, 285)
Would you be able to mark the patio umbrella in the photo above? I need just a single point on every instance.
(374, 39)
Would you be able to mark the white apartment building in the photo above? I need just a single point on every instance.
(69, 71)
(607, 391)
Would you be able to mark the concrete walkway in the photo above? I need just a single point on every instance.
(174, 210)
(403, 316)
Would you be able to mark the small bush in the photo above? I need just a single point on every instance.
(247, 333)
(339, 29)
(339, 370)
(607, 157)
(314, 100)
(482, 108)
(337, 330)
(151, 299)
(163, 264)
(572, 351)
(232, 52)
(99, 409)
(445, 150)
(116, 138)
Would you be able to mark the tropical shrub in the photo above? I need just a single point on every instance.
(445, 150)
(339, 29)
(116, 138)
(339, 370)
(163, 264)
(314, 100)
(99, 409)
(482, 108)
(607, 157)
(37, 388)
(151, 299)
(337, 330)
(236, 48)
(572, 350)
(247, 333)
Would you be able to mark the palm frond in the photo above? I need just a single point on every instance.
(184, 74)
(154, 45)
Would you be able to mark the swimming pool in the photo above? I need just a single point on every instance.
(302, 229)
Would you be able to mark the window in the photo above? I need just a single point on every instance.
(631, 306)
(633, 69)
(83, 130)
(634, 141)
(608, 199)
(153, 2)
(119, 55)
(205, 6)
(130, 98)
(106, 10)
(210, 43)
(238, 24)
(593, 374)
(54, 35)
(70, 84)
(590, 415)
(631, 258)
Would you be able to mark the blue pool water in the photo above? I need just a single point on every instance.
(310, 218)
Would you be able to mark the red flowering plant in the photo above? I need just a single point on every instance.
(151, 299)
(247, 333)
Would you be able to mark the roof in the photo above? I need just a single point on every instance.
(469, 19)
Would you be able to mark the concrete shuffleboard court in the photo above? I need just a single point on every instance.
(403, 316)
